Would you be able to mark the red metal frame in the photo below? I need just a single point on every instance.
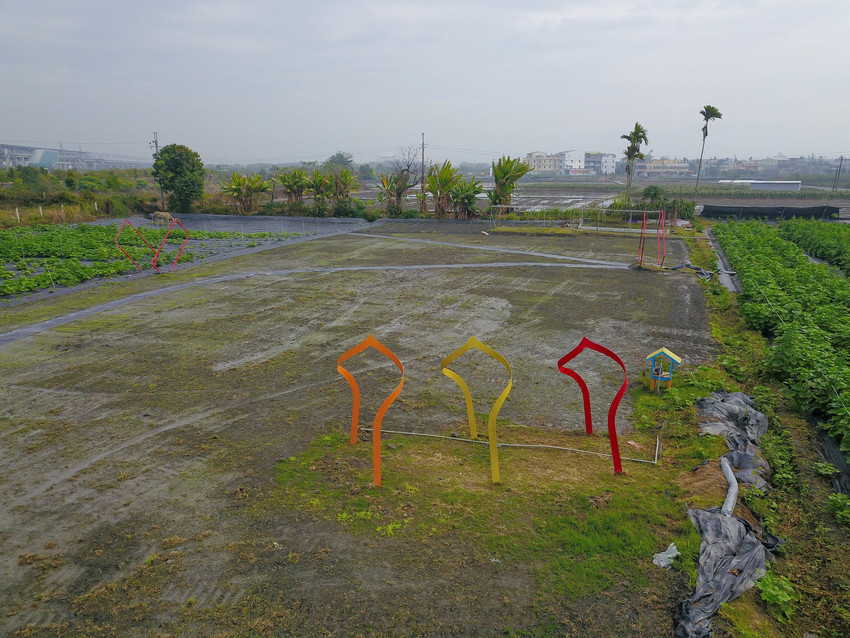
(127, 222)
(585, 394)
(662, 240)
(642, 242)
(174, 263)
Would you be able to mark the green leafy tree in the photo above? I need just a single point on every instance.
(340, 159)
(71, 179)
(654, 198)
(343, 184)
(709, 113)
(367, 173)
(464, 197)
(391, 190)
(635, 138)
(439, 184)
(294, 182)
(243, 190)
(506, 173)
(321, 188)
(179, 171)
(91, 182)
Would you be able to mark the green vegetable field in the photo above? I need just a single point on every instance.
(43, 257)
(804, 307)
(830, 242)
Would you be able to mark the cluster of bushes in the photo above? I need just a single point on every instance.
(657, 198)
(109, 193)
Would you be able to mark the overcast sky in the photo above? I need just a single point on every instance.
(281, 81)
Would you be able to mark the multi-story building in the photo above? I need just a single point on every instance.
(542, 163)
(570, 161)
(600, 163)
(662, 168)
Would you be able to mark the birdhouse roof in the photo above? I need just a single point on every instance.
(670, 355)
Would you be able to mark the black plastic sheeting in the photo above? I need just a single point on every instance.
(769, 212)
(732, 555)
(734, 417)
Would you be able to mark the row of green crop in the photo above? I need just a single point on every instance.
(805, 308)
(41, 257)
(96, 243)
(830, 242)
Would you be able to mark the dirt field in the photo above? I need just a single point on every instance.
(134, 442)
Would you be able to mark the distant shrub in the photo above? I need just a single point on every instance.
(349, 207)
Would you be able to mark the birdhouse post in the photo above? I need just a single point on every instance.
(657, 361)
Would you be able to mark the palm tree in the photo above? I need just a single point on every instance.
(506, 173)
(387, 187)
(321, 187)
(708, 113)
(635, 138)
(294, 182)
(439, 184)
(464, 195)
(243, 190)
(344, 183)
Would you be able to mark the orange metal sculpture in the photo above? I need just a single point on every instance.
(370, 341)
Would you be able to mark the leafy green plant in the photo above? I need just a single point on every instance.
(840, 506)
(826, 469)
(778, 592)
(46, 256)
(830, 242)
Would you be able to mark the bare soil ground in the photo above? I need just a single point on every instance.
(134, 441)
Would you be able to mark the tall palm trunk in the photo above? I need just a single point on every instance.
(699, 168)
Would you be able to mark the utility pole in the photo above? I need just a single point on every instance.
(422, 176)
(837, 173)
(155, 146)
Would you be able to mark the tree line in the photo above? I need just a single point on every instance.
(443, 190)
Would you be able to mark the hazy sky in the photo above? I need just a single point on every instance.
(280, 81)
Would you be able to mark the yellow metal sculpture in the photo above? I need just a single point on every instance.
(497, 405)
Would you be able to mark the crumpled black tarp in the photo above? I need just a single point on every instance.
(733, 416)
(731, 556)
(731, 559)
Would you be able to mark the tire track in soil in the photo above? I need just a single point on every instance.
(36, 328)
(189, 419)
(510, 251)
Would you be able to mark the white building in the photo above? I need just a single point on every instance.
(570, 160)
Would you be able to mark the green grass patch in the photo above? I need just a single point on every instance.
(568, 516)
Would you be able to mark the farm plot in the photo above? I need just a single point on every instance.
(805, 307)
(177, 464)
(830, 242)
(41, 257)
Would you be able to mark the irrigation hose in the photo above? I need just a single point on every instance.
(527, 445)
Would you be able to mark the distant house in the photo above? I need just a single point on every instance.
(542, 163)
(601, 163)
(570, 161)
